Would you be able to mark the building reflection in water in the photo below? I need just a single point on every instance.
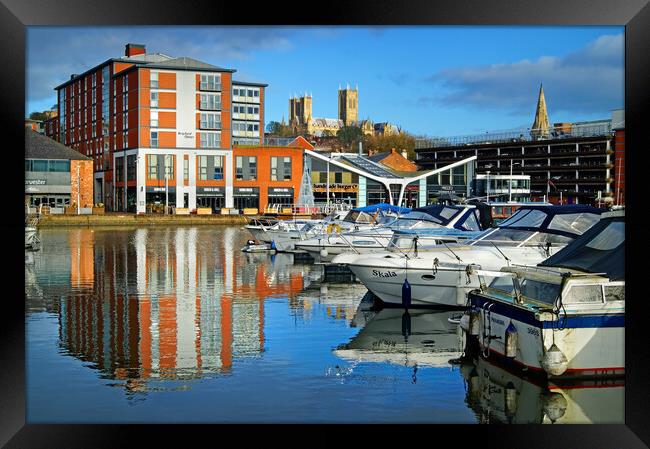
(168, 303)
(498, 395)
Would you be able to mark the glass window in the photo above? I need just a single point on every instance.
(471, 224)
(574, 223)
(154, 119)
(526, 218)
(154, 99)
(250, 93)
(540, 291)
(256, 93)
(186, 169)
(154, 80)
(274, 169)
(239, 174)
(218, 168)
(154, 139)
(610, 237)
(152, 166)
(39, 165)
(615, 293)
(59, 166)
(252, 167)
(287, 168)
(203, 168)
(584, 293)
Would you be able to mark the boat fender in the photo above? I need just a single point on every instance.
(273, 245)
(464, 322)
(511, 340)
(474, 322)
(406, 294)
(554, 405)
(554, 361)
(510, 399)
(250, 242)
(323, 253)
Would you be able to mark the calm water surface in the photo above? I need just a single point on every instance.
(177, 324)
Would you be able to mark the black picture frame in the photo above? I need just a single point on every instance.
(16, 15)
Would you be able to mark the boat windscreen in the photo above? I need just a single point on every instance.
(525, 218)
(516, 237)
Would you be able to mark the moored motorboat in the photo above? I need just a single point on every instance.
(564, 318)
(441, 275)
(433, 223)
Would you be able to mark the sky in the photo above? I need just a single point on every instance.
(429, 80)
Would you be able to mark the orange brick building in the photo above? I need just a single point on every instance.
(162, 129)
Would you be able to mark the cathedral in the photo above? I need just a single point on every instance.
(302, 121)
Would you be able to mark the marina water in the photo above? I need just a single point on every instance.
(177, 324)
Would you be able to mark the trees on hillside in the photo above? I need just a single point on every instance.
(349, 136)
(401, 141)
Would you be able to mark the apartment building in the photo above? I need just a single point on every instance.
(152, 123)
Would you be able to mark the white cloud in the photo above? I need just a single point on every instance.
(590, 80)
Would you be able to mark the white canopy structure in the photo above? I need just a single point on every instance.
(374, 171)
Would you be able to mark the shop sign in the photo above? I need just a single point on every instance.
(35, 182)
(281, 190)
(186, 135)
(447, 188)
(335, 187)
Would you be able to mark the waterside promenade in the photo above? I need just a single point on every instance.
(125, 219)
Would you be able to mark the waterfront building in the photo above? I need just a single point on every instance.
(35, 125)
(146, 118)
(575, 163)
(55, 175)
(394, 160)
(359, 181)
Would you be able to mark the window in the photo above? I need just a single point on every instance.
(250, 109)
(274, 169)
(186, 169)
(131, 167)
(256, 93)
(203, 168)
(119, 168)
(252, 167)
(154, 119)
(125, 120)
(154, 99)
(154, 80)
(584, 293)
(210, 140)
(609, 238)
(152, 166)
(615, 293)
(287, 169)
(210, 82)
(154, 139)
(239, 168)
(210, 102)
(210, 121)
(125, 102)
(250, 93)
(169, 166)
(218, 168)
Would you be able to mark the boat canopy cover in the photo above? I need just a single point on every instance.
(599, 250)
(569, 221)
(384, 207)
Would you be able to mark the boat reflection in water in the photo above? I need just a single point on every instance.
(498, 395)
(158, 304)
(409, 338)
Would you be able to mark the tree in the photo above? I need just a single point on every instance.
(40, 116)
(401, 141)
(327, 133)
(350, 135)
(277, 129)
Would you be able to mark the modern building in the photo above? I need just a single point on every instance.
(148, 119)
(56, 175)
(394, 160)
(568, 163)
(359, 181)
(35, 125)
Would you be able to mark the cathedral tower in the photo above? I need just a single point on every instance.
(349, 106)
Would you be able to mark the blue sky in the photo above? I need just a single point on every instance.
(430, 80)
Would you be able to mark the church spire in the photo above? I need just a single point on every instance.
(541, 126)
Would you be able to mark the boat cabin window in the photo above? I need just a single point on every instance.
(574, 223)
(529, 218)
(545, 292)
(472, 222)
(448, 212)
(359, 217)
(615, 293)
(515, 237)
(610, 237)
(584, 293)
(503, 284)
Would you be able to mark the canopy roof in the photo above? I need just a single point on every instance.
(569, 221)
(599, 250)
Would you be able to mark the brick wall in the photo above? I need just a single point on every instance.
(86, 180)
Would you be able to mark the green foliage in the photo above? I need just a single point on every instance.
(38, 116)
(277, 129)
(401, 141)
(350, 136)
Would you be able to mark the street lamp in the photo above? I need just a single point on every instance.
(488, 187)
(510, 182)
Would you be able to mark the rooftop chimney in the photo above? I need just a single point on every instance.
(134, 49)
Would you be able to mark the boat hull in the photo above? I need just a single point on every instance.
(593, 343)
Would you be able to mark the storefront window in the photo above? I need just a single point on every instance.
(152, 166)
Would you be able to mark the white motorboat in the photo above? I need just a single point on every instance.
(441, 275)
(31, 237)
(432, 224)
(410, 338)
(286, 233)
(564, 318)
